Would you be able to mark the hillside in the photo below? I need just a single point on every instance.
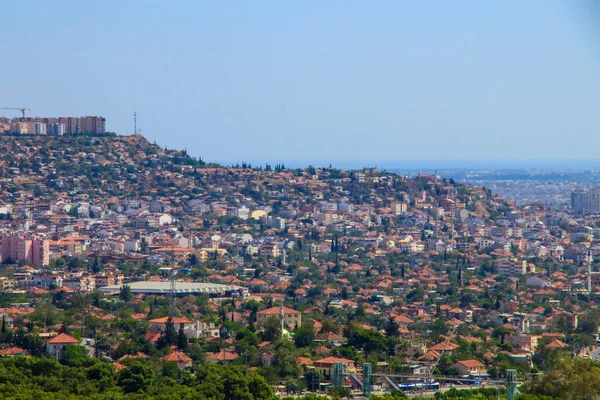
(371, 266)
(125, 167)
(97, 166)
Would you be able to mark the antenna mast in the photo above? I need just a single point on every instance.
(589, 260)
(282, 316)
(135, 132)
(436, 216)
(172, 293)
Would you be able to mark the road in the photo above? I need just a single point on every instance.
(89, 347)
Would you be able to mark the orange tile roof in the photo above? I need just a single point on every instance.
(63, 338)
(275, 311)
(177, 356)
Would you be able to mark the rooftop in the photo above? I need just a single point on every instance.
(147, 287)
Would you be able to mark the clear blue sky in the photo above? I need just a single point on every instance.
(317, 81)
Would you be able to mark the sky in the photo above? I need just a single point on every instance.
(318, 82)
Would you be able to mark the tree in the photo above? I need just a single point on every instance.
(182, 340)
(75, 356)
(168, 336)
(271, 329)
(285, 360)
(329, 325)
(416, 294)
(391, 328)
(170, 369)
(312, 380)
(125, 293)
(6, 335)
(304, 335)
(589, 325)
(569, 379)
(137, 377)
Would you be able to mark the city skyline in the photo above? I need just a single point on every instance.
(322, 82)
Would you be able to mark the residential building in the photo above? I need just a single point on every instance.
(60, 343)
(179, 358)
(40, 128)
(291, 317)
(30, 249)
(511, 267)
(56, 129)
(399, 208)
(324, 367)
(470, 367)
(92, 124)
(159, 324)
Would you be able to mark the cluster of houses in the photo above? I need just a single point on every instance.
(392, 246)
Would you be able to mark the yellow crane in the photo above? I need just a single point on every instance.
(22, 109)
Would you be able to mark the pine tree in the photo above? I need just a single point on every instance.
(125, 293)
(168, 336)
(182, 340)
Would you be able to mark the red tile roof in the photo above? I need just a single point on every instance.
(177, 356)
(275, 311)
(63, 338)
(222, 356)
(471, 363)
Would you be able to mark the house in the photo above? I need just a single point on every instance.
(178, 357)
(556, 344)
(291, 317)
(159, 324)
(330, 337)
(523, 341)
(403, 321)
(325, 366)
(13, 351)
(258, 286)
(470, 367)
(223, 356)
(60, 343)
(267, 359)
(446, 346)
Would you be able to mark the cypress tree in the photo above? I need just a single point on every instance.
(182, 340)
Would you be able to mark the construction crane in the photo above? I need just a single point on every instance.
(16, 109)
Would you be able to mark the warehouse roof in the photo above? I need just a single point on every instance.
(150, 287)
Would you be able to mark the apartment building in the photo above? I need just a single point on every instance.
(507, 266)
(57, 126)
(31, 249)
(291, 317)
(586, 201)
(399, 208)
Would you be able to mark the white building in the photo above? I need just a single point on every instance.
(40, 128)
(56, 129)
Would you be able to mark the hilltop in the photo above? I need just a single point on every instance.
(102, 167)
(98, 166)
